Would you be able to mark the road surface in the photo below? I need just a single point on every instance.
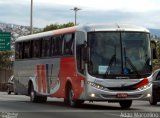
(19, 106)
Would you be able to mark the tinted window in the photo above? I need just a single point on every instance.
(19, 50)
(68, 44)
(36, 45)
(105, 52)
(56, 46)
(116, 53)
(46, 44)
(27, 49)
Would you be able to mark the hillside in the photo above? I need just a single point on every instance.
(155, 32)
(16, 30)
(19, 30)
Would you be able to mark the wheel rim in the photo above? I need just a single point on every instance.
(71, 94)
(32, 95)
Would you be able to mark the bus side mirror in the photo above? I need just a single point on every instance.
(85, 54)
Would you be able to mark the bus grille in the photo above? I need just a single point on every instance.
(114, 96)
(121, 89)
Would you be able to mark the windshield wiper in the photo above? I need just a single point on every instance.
(113, 58)
(110, 63)
(133, 67)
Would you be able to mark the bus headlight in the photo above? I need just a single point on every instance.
(92, 95)
(145, 87)
(96, 85)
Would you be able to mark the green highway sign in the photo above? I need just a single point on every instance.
(5, 41)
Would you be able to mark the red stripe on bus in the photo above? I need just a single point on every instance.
(39, 78)
(142, 83)
(64, 30)
(44, 83)
(67, 73)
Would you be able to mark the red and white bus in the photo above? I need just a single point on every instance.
(85, 63)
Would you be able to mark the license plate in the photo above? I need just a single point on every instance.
(122, 95)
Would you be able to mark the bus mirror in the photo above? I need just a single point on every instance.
(84, 56)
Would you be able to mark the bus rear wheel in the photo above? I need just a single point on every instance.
(125, 104)
(35, 98)
(8, 91)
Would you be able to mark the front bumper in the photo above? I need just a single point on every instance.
(94, 94)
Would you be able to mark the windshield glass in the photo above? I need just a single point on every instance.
(119, 53)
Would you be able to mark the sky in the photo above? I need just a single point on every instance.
(45, 12)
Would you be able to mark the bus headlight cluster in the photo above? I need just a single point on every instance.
(145, 87)
(96, 85)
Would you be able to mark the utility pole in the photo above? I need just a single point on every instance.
(31, 18)
(75, 9)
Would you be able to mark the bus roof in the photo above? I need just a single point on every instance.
(116, 27)
(86, 28)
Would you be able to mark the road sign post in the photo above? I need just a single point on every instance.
(5, 41)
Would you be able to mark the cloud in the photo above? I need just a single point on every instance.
(124, 5)
(45, 12)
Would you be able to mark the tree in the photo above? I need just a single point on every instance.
(58, 26)
(5, 60)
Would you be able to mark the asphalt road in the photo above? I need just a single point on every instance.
(19, 106)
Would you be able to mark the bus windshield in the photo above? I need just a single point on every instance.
(119, 53)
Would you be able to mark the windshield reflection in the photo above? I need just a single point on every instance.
(109, 52)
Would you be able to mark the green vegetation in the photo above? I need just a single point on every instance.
(57, 26)
(5, 61)
(156, 62)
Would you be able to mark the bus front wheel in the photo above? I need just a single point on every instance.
(152, 100)
(70, 101)
(125, 104)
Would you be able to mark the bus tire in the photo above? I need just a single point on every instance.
(125, 104)
(70, 100)
(33, 96)
(152, 101)
(42, 99)
(8, 91)
(15, 93)
(72, 103)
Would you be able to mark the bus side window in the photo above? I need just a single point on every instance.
(36, 48)
(20, 50)
(68, 44)
(27, 48)
(46, 47)
(59, 45)
(56, 46)
(17, 50)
